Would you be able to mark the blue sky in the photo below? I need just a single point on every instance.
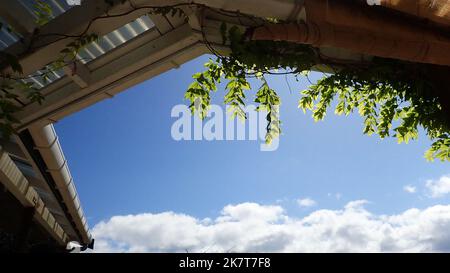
(125, 162)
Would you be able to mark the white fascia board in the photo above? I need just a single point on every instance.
(46, 142)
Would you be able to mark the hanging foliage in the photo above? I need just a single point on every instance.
(394, 97)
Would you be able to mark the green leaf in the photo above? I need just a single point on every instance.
(43, 12)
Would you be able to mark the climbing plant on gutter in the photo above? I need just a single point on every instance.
(394, 97)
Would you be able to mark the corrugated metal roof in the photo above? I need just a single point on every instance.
(91, 52)
(115, 39)
(7, 37)
(58, 7)
(96, 49)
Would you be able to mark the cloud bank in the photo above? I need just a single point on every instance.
(252, 227)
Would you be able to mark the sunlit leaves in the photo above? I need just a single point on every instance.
(440, 149)
(198, 92)
(387, 114)
(43, 12)
(409, 123)
(236, 96)
(234, 73)
(389, 106)
(391, 102)
(318, 98)
(306, 103)
(269, 101)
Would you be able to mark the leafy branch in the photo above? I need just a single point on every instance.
(395, 98)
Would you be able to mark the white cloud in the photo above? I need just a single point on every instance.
(337, 195)
(250, 212)
(356, 205)
(410, 189)
(438, 188)
(251, 227)
(306, 202)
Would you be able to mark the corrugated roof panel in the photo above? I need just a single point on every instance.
(38, 81)
(58, 7)
(7, 37)
(115, 38)
(96, 49)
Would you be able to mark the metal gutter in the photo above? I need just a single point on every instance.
(43, 146)
(362, 29)
(437, 11)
